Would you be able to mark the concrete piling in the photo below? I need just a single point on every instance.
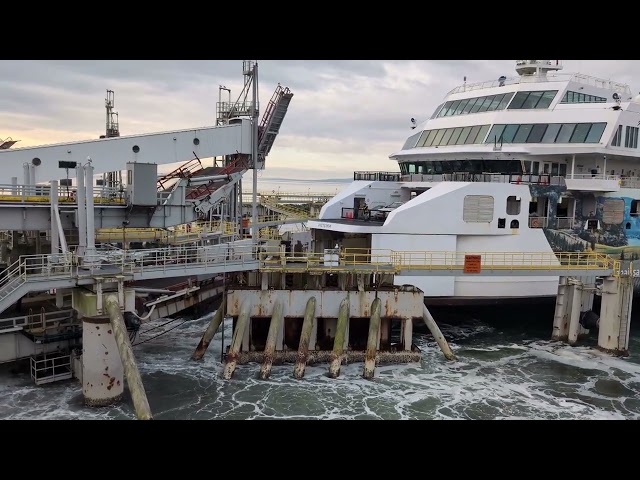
(272, 337)
(339, 340)
(437, 334)
(236, 342)
(134, 380)
(209, 333)
(372, 340)
(305, 336)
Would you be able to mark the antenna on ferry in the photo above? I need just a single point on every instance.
(413, 123)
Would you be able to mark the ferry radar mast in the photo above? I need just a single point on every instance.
(113, 179)
(537, 69)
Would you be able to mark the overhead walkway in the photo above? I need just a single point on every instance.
(34, 273)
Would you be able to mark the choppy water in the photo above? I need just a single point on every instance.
(504, 371)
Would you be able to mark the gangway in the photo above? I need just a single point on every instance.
(289, 211)
(43, 272)
(272, 120)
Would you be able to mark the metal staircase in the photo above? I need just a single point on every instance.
(11, 283)
(272, 120)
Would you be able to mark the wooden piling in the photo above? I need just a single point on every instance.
(272, 337)
(305, 336)
(338, 342)
(236, 342)
(209, 333)
(372, 341)
(134, 380)
(437, 334)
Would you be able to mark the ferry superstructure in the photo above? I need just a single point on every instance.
(540, 162)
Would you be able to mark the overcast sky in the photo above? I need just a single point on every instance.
(344, 116)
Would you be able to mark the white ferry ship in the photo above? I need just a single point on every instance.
(540, 162)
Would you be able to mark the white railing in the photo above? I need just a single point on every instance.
(555, 77)
(42, 320)
(591, 176)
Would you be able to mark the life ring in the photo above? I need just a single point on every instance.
(535, 223)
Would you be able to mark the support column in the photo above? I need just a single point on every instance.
(615, 315)
(272, 337)
(305, 337)
(372, 340)
(81, 216)
(586, 302)
(91, 231)
(102, 371)
(55, 235)
(573, 165)
(236, 342)
(560, 323)
(341, 338)
(209, 333)
(407, 334)
(437, 334)
(574, 312)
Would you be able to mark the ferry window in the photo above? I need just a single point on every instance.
(437, 110)
(617, 138)
(509, 133)
(537, 132)
(495, 102)
(495, 134)
(478, 209)
(482, 133)
(580, 133)
(551, 133)
(452, 108)
(472, 135)
(429, 140)
(411, 141)
(627, 136)
(515, 224)
(444, 109)
(447, 136)
(485, 105)
(461, 106)
(634, 142)
(454, 137)
(547, 98)
(513, 205)
(565, 132)
(563, 170)
(477, 105)
(438, 137)
(595, 133)
(464, 135)
(505, 101)
(467, 108)
(532, 100)
(523, 133)
(518, 100)
(423, 138)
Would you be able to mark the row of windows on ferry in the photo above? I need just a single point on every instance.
(630, 137)
(535, 99)
(468, 170)
(522, 100)
(514, 133)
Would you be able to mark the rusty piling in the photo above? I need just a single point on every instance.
(305, 336)
(338, 342)
(211, 330)
(134, 380)
(272, 337)
(437, 334)
(372, 341)
(236, 342)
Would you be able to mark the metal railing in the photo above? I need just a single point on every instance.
(549, 77)
(51, 367)
(41, 321)
(377, 176)
(156, 263)
(42, 194)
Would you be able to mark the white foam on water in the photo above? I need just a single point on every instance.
(493, 378)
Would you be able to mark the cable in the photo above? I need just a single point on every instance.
(161, 333)
(161, 325)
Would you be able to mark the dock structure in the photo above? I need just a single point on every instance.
(112, 255)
